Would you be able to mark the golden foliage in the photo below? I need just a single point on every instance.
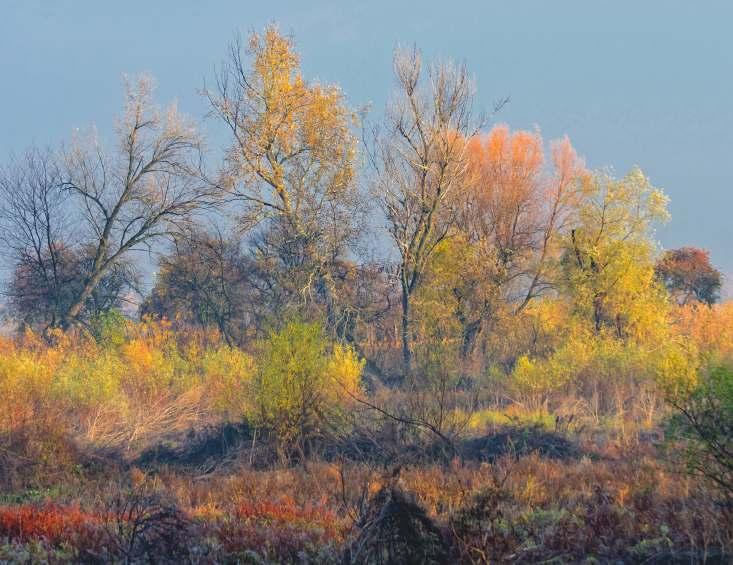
(302, 382)
(293, 146)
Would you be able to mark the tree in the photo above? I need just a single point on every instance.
(39, 240)
(688, 275)
(144, 190)
(290, 166)
(513, 218)
(33, 228)
(39, 300)
(420, 163)
(704, 421)
(609, 256)
(203, 281)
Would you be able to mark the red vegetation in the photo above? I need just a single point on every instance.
(689, 276)
(281, 530)
(49, 522)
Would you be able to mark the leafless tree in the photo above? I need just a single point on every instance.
(143, 190)
(41, 245)
(420, 163)
(32, 213)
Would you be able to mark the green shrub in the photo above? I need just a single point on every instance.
(704, 423)
(108, 328)
(304, 382)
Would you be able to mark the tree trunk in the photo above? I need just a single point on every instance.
(74, 310)
(598, 313)
(406, 350)
(471, 331)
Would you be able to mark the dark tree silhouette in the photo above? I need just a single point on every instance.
(688, 275)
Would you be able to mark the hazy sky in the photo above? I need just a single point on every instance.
(637, 82)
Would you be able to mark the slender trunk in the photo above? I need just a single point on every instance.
(598, 313)
(406, 351)
(471, 331)
(328, 293)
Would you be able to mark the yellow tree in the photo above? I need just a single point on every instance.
(291, 160)
(617, 345)
(609, 255)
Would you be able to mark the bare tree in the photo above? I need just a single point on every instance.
(34, 229)
(40, 240)
(147, 187)
(420, 162)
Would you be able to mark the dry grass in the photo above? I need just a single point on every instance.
(78, 419)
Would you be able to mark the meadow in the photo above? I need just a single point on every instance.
(144, 443)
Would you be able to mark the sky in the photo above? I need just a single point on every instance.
(646, 83)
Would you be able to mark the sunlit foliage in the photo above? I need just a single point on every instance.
(496, 379)
(304, 383)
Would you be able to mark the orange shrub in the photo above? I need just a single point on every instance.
(51, 523)
(710, 328)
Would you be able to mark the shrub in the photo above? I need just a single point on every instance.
(614, 376)
(704, 422)
(122, 386)
(141, 527)
(108, 328)
(279, 532)
(304, 383)
(396, 529)
(228, 373)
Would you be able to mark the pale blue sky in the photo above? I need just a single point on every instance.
(631, 82)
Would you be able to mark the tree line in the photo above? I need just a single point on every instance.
(496, 239)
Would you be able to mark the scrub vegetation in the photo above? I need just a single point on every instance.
(520, 374)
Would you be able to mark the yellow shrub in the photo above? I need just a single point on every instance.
(25, 380)
(534, 380)
(117, 391)
(344, 369)
(303, 382)
(228, 374)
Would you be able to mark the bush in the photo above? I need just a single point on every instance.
(396, 529)
(229, 373)
(304, 383)
(121, 387)
(704, 422)
(278, 532)
(615, 377)
(108, 328)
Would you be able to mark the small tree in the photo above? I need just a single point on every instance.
(304, 383)
(608, 255)
(203, 282)
(689, 276)
(704, 421)
(33, 233)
